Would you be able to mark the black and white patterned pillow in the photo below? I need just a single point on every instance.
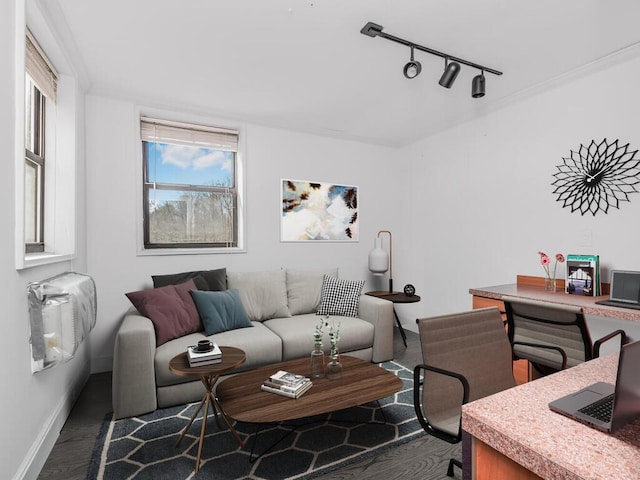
(340, 297)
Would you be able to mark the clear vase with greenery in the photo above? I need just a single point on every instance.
(334, 367)
(317, 354)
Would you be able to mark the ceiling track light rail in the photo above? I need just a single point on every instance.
(452, 63)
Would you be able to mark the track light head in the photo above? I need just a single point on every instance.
(451, 71)
(478, 86)
(413, 68)
(371, 29)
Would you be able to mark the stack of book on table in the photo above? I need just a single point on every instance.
(287, 384)
(198, 356)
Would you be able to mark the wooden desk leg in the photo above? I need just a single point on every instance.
(402, 332)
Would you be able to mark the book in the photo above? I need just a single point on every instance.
(583, 275)
(286, 391)
(202, 363)
(283, 377)
(204, 358)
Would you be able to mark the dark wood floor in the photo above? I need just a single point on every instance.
(71, 454)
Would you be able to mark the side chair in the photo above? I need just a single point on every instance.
(551, 336)
(466, 357)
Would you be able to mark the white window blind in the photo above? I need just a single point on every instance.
(40, 69)
(164, 131)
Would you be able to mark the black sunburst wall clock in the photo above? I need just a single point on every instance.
(597, 177)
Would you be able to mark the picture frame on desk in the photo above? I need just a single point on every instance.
(583, 275)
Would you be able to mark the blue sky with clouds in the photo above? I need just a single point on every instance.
(170, 163)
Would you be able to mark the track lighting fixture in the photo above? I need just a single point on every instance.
(452, 64)
(477, 86)
(412, 68)
(451, 71)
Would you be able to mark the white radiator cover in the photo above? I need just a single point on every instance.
(62, 311)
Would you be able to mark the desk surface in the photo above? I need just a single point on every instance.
(538, 293)
(519, 424)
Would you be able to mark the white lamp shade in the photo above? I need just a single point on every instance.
(378, 258)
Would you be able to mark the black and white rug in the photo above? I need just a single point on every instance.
(144, 447)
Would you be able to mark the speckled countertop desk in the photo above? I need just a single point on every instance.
(519, 424)
(538, 293)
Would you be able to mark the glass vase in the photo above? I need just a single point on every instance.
(550, 284)
(317, 364)
(334, 369)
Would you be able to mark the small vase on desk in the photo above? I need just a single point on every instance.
(334, 368)
(550, 284)
(317, 363)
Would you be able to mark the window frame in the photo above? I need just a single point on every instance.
(37, 157)
(145, 186)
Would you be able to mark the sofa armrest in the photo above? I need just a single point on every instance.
(379, 312)
(134, 379)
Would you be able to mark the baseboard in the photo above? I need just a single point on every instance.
(43, 445)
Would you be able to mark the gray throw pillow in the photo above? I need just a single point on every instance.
(304, 288)
(263, 294)
(215, 280)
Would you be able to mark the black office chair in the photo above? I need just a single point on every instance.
(551, 336)
(466, 357)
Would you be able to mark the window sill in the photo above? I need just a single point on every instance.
(37, 259)
(189, 251)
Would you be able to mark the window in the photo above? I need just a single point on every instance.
(190, 185)
(40, 88)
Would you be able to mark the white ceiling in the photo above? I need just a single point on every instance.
(304, 65)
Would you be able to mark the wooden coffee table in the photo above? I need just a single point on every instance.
(231, 358)
(362, 382)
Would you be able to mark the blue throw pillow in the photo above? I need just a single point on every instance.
(220, 311)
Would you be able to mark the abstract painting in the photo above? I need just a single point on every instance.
(316, 211)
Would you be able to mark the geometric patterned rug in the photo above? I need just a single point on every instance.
(144, 448)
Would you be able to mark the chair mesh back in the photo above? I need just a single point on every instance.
(545, 323)
(473, 344)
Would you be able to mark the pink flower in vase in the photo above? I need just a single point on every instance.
(545, 261)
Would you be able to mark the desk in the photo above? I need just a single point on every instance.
(515, 435)
(397, 297)
(530, 287)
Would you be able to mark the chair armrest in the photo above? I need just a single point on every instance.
(379, 313)
(424, 422)
(134, 379)
(598, 343)
(548, 347)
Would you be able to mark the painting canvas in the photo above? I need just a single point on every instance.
(316, 211)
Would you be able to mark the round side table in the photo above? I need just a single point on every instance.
(179, 365)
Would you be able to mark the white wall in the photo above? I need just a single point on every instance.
(271, 154)
(484, 196)
(34, 407)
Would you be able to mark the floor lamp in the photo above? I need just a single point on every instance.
(379, 260)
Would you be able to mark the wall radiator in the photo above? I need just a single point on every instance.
(62, 311)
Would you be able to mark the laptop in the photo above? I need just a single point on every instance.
(604, 406)
(625, 290)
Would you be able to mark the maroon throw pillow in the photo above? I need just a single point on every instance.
(170, 308)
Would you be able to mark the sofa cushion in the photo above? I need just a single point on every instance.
(304, 288)
(261, 345)
(220, 311)
(214, 280)
(297, 334)
(170, 308)
(340, 297)
(263, 294)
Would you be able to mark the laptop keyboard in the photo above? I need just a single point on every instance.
(600, 410)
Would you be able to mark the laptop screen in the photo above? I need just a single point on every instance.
(625, 286)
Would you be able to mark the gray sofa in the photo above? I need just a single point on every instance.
(281, 305)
